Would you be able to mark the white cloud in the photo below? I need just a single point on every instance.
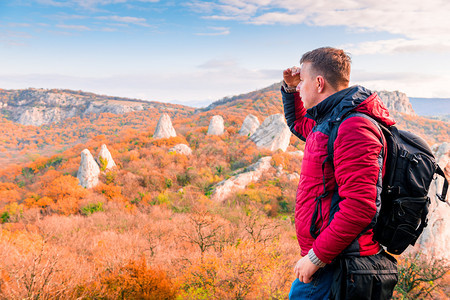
(14, 38)
(87, 4)
(219, 64)
(216, 31)
(227, 9)
(19, 25)
(74, 27)
(278, 17)
(423, 25)
(413, 84)
(132, 20)
(397, 46)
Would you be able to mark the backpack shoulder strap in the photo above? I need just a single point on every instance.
(445, 187)
(314, 229)
(330, 148)
(335, 128)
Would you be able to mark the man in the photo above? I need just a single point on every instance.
(314, 98)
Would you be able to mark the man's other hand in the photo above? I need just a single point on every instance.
(292, 76)
(305, 269)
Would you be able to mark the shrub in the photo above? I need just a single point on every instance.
(92, 208)
(242, 271)
(186, 177)
(136, 280)
(110, 177)
(419, 277)
(11, 213)
(103, 163)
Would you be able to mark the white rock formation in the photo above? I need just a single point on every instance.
(181, 149)
(280, 171)
(273, 134)
(251, 123)
(39, 106)
(216, 126)
(298, 153)
(435, 239)
(164, 128)
(88, 171)
(396, 101)
(106, 156)
(294, 176)
(39, 116)
(251, 174)
(96, 108)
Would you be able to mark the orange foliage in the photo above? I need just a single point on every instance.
(65, 192)
(169, 142)
(111, 192)
(9, 192)
(33, 200)
(266, 275)
(136, 280)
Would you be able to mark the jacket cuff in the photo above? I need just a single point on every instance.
(314, 259)
(289, 112)
(288, 89)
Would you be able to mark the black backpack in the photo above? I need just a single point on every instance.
(410, 168)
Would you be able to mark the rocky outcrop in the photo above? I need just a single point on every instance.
(164, 128)
(249, 126)
(294, 176)
(104, 159)
(298, 153)
(396, 101)
(273, 134)
(435, 239)
(40, 106)
(96, 108)
(216, 126)
(237, 182)
(280, 173)
(181, 149)
(89, 171)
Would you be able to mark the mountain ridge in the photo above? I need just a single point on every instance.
(89, 115)
(44, 106)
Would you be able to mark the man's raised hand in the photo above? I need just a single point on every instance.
(292, 76)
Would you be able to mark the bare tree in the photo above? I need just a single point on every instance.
(203, 232)
(260, 229)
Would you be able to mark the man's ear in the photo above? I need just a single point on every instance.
(320, 83)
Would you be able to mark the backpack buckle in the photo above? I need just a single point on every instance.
(393, 190)
(411, 157)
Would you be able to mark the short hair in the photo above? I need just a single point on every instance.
(333, 64)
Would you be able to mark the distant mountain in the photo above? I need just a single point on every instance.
(43, 122)
(395, 101)
(41, 106)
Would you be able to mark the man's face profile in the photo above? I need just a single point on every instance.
(307, 86)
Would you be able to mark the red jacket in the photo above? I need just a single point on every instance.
(357, 175)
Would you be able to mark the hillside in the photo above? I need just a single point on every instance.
(42, 107)
(268, 101)
(74, 117)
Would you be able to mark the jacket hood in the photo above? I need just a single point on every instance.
(355, 98)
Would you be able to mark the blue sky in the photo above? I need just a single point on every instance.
(195, 52)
